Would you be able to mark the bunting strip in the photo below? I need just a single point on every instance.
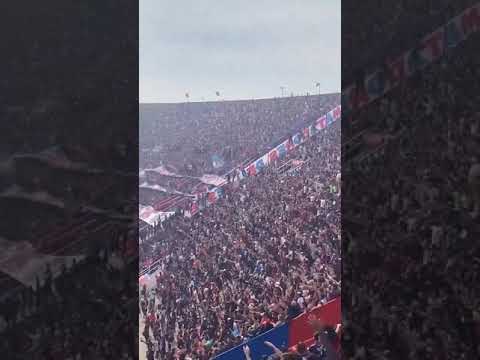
(428, 50)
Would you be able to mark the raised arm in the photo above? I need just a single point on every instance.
(246, 351)
(273, 347)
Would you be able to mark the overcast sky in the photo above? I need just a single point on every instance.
(243, 49)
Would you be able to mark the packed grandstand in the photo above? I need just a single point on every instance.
(383, 109)
(248, 255)
(66, 191)
(65, 221)
(419, 145)
(45, 320)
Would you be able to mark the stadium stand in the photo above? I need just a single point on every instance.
(200, 138)
(56, 75)
(393, 34)
(432, 117)
(223, 282)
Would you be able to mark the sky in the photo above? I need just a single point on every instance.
(243, 49)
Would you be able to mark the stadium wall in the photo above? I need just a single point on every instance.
(287, 335)
(300, 329)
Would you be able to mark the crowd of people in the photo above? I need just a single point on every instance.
(62, 89)
(326, 343)
(213, 137)
(376, 31)
(58, 84)
(416, 218)
(86, 312)
(56, 91)
(52, 212)
(39, 223)
(263, 254)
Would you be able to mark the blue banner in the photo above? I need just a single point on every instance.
(277, 336)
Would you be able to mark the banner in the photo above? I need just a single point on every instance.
(300, 329)
(212, 180)
(287, 335)
(41, 197)
(217, 161)
(214, 195)
(277, 336)
(279, 152)
(257, 166)
(21, 261)
(152, 216)
(146, 185)
(291, 143)
(161, 170)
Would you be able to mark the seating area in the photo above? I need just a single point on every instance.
(217, 280)
(433, 117)
(212, 138)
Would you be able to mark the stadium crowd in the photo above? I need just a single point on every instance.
(42, 221)
(326, 341)
(214, 137)
(417, 218)
(71, 316)
(263, 254)
(58, 86)
(375, 31)
(58, 73)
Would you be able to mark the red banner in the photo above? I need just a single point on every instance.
(300, 329)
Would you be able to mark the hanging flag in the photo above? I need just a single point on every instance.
(321, 123)
(297, 139)
(218, 93)
(307, 132)
(212, 179)
(187, 95)
(259, 165)
(241, 173)
(337, 112)
(217, 161)
(289, 144)
(21, 261)
(330, 118)
(214, 195)
(282, 149)
(273, 156)
(251, 170)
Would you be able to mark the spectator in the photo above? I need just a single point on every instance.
(264, 253)
(421, 216)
